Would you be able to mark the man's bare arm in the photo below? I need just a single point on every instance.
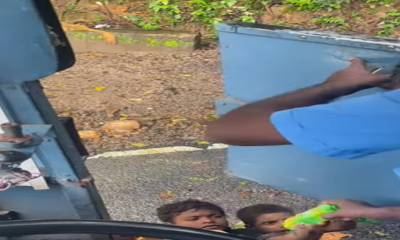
(350, 209)
(250, 125)
(385, 213)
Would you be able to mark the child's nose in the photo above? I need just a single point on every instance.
(208, 220)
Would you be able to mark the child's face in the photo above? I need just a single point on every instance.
(202, 219)
(271, 222)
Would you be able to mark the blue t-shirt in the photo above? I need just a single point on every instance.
(350, 128)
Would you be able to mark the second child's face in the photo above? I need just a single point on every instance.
(202, 219)
(271, 222)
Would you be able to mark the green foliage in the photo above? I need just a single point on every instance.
(153, 23)
(325, 21)
(355, 16)
(121, 2)
(390, 21)
(207, 13)
(386, 3)
(315, 5)
(70, 7)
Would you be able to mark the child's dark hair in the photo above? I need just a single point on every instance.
(249, 215)
(168, 212)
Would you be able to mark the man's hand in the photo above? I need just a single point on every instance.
(349, 209)
(301, 232)
(308, 232)
(357, 76)
(337, 225)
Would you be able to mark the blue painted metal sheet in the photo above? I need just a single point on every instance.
(260, 61)
(27, 104)
(27, 52)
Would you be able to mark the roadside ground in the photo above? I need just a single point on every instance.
(133, 187)
(138, 100)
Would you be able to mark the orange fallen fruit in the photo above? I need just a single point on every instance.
(334, 236)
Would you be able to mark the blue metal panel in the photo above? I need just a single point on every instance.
(27, 52)
(27, 104)
(260, 62)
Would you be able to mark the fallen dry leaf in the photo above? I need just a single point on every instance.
(203, 143)
(212, 179)
(244, 194)
(139, 145)
(117, 136)
(166, 195)
(239, 225)
(334, 236)
(179, 120)
(124, 125)
(99, 88)
(111, 112)
(203, 179)
(381, 234)
(89, 134)
(243, 183)
(197, 124)
(136, 99)
(271, 195)
(197, 163)
(123, 116)
(196, 179)
(93, 54)
(211, 116)
(148, 92)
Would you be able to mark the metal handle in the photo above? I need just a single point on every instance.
(12, 130)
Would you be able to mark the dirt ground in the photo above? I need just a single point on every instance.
(170, 96)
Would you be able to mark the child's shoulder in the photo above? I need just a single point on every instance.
(252, 233)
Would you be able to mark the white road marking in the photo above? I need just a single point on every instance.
(156, 151)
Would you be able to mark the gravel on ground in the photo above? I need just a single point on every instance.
(171, 96)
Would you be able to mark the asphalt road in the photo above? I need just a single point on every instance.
(133, 187)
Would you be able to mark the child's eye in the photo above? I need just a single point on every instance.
(270, 223)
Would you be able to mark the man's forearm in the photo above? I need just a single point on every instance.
(314, 95)
(384, 213)
(249, 125)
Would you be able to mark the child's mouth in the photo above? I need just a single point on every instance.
(211, 227)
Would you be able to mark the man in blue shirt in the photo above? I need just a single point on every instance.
(349, 128)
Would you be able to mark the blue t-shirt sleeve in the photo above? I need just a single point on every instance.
(349, 128)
